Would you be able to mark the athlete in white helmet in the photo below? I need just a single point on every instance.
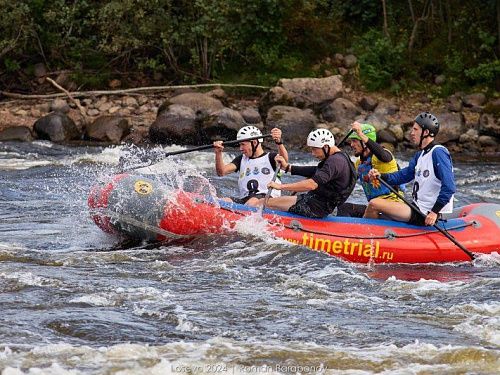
(255, 167)
(328, 184)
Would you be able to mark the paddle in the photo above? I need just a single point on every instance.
(204, 147)
(417, 210)
(270, 190)
(345, 138)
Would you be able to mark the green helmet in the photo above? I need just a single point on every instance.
(368, 130)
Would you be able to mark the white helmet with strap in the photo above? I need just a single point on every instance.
(249, 132)
(320, 138)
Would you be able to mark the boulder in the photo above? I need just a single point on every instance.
(56, 127)
(251, 116)
(16, 133)
(488, 141)
(59, 105)
(198, 102)
(303, 93)
(368, 103)
(386, 136)
(350, 61)
(454, 103)
(474, 100)
(489, 125)
(175, 125)
(295, 123)
(341, 111)
(223, 124)
(452, 126)
(108, 129)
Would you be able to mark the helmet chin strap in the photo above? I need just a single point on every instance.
(254, 148)
(422, 137)
(325, 152)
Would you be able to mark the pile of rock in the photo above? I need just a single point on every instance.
(297, 106)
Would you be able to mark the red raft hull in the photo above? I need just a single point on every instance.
(120, 206)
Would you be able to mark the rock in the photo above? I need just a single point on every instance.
(40, 70)
(251, 116)
(350, 61)
(177, 124)
(488, 141)
(470, 136)
(35, 112)
(368, 103)
(93, 112)
(474, 100)
(16, 133)
(386, 136)
(341, 111)
(59, 105)
(377, 120)
(114, 109)
(386, 107)
(338, 59)
(440, 79)
(104, 107)
(56, 127)
(295, 123)
(22, 112)
(454, 103)
(493, 107)
(342, 71)
(114, 83)
(142, 99)
(223, 124)
(201, 103)
(129, 101)
(218, 93)
(316, 90)
(489, 125)
(398, 132)
(451, 126)
(108, 129)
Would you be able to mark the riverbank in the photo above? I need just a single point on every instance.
(190, 116)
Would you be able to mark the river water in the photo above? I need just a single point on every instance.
(74, 300)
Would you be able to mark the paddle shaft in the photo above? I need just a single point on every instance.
(345, 138)
(270, 190)
(205, 147)
(199, 148)
(417, 210)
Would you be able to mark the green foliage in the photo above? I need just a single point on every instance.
(381, 62)
(485, 73)
(254, 41)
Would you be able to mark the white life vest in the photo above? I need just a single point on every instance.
(427, 186)
(254, 176)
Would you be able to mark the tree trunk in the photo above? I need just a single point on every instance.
(410, 5)
(498, 24)
(384, 10)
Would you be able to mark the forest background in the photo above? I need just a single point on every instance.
(401, 46)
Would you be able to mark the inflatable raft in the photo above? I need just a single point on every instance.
(138, 207)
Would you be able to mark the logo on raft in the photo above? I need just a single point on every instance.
(142, 187)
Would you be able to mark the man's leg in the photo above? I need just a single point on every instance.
(282, 203)
(395, 210)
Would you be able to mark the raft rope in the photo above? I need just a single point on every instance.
(386, 236)
(139, 224)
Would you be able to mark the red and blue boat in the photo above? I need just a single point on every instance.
(136, 206)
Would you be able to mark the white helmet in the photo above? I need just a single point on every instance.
(249, 132)
(320, 137)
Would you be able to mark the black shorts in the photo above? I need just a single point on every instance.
(308, 205)
(351, 210)
(244, 200)
(416, 219)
